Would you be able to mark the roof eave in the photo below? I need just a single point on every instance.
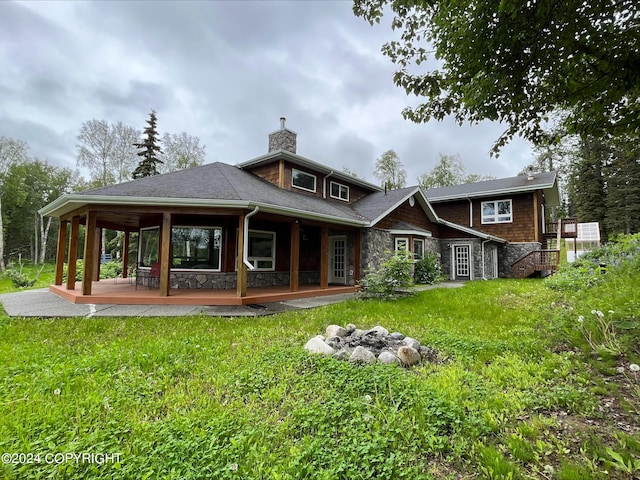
(493, 193)
(68, 203)
(417, 191)
(471, 231)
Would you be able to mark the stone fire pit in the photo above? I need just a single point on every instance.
(371, 346)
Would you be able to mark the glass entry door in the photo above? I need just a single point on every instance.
(462, 262)
(338, 260)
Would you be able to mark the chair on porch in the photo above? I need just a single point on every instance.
(153, 278)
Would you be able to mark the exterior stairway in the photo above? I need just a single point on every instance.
(546, 260)
(536, 261)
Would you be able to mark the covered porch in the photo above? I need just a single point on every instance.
(107, 292)
(240, 246)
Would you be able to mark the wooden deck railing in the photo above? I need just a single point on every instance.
(536, 261)
(568, 228)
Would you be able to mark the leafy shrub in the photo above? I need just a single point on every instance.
(428, 270)
(621, 253)
(394, 275)
(107, 270)
(110, 269)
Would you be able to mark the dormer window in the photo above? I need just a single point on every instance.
(339, 191)
(303, 180)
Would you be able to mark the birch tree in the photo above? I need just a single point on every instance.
(181, 151)
(107, 150)
(390, 171)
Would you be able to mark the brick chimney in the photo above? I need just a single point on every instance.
(283, 139)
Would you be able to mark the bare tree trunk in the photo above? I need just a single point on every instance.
(34, 250)
(44, 236)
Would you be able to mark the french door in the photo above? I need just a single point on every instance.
(462, 262)
(338, 260)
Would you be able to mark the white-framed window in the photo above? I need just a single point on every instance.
(303, 180)
(497, 211)
(418, 248)
(401, 243)
(262, 250)
(339, 191)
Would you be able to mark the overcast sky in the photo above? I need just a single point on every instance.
(224, 71)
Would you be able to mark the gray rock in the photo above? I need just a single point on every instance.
(408, 356)
(363, 356)
(388, 358)
(380, 331)
(336, 331)
(350, 328)
(317, 345)
(412, 342)
(358, 332)
(334, 341)
(397, 336)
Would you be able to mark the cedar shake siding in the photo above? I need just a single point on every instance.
(415, 215)
(271, 173)
(522, 228)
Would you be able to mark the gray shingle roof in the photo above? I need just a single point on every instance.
(541, 181)
(374, 205)
(220, 182)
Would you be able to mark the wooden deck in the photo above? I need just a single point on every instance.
(122, 293)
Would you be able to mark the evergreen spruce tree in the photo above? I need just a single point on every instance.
(587, 184)
(149, 150)
(623, 189)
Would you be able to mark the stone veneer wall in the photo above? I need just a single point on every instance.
(508, 254)
(374, 243)
(227, 280)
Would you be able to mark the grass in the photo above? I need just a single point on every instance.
(239, 398)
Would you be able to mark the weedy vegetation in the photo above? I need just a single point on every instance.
(537, 381)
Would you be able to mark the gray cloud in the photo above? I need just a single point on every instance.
(224, 71)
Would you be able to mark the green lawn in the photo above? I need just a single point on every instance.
(239, 398)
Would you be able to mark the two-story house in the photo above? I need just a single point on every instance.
(284, 222)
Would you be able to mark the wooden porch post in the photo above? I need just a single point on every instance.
(324, 257)
(241, 279)
(89, 253)
(72, 257)
(294, 274)
(125, 254)
(98, 264)
(62, 246)
(165, 255)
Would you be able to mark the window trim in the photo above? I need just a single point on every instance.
(341, 186)
(398, 240)
(495, 217)
(255, 260)
(420, 241)
(315, 180)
